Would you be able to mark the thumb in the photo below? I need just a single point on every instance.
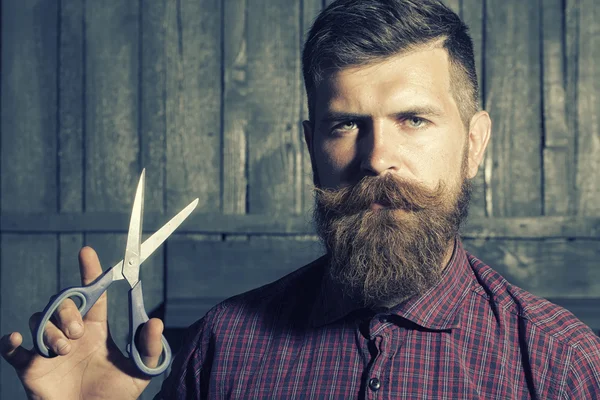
(149, 343)
(90, 270)
(13, 352)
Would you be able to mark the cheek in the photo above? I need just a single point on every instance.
(335, 156)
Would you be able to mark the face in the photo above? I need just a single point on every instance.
(392, 154)
(397, 116)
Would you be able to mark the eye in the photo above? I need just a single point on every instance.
(345, 126)
(416, 122)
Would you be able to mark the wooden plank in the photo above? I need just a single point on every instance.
(547, 268)
(28, 165)
(152, 101)
(71, 111)
(193, 103)
(310, 10)
(253, 224)
(27, 280)
(28, 125)
(227, 268)
(557, 180)
(112, 142)
(587, 31)
(235, 113)
(472, 15)
(512, 74)
(273, 105)
(558, 152)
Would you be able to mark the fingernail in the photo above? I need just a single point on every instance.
(75, 328)
(62, 344)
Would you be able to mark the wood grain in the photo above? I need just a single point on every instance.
(28, 165)
(587, 32)
(472, 15)
(28, 141)
(558, 155)
(235, 113)
(152, 105)
(71, 106)
(274, 107)
(512, 70)
(310, 10)
(112, 140)
(193, 104)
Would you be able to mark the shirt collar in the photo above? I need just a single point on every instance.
(437, 309)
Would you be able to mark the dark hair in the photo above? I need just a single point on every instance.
(358, 32)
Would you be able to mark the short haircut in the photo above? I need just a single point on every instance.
(359, 32)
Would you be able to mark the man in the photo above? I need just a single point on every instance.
(396, 308)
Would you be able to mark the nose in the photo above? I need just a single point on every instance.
(378, 151)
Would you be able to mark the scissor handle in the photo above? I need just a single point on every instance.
(87, 294)
(137, 317)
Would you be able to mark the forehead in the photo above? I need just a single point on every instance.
(417, 78)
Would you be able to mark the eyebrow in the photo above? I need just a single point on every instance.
(426, 111)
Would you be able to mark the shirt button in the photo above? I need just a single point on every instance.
(383, 320)
(374, 384)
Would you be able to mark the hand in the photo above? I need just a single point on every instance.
(89, 364)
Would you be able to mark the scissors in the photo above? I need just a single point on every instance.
(128, 269)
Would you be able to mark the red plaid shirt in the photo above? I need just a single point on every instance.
(473, 336)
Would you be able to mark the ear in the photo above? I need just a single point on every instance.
(309, 139)
(480, 129)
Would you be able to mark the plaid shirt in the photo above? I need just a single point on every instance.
(473, 336)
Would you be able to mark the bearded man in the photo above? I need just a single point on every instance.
(396, 308)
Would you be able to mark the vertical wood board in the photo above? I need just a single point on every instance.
(471, 12)
(310, 10)
(274, 106)
(588, 107)
(152, 92)
(112, 137)
(193, 104)
(235, 112)
(512, 70)
(28, 109)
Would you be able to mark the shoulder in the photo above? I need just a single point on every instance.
(548, 319)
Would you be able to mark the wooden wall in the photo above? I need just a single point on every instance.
(207, 96)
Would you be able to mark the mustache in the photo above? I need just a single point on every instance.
(387, 190)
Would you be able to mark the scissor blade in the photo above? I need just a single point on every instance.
(131, 262)
(154, 241)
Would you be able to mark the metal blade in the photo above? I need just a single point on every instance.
(131, 261)
(154, 241)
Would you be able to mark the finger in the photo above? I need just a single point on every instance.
(13, 352)
(68, 319)
(90, 269)
(150, 344)
(53, 337)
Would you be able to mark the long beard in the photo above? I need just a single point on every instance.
(385, 256)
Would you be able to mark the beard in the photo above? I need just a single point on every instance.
(383, 257)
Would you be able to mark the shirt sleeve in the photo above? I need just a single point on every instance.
(583, 380)
(189, 366)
